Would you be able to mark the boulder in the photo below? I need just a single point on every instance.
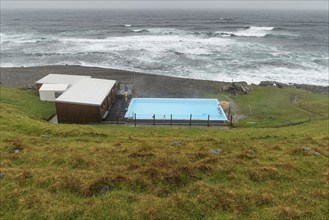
(311, 150)
(215, 151)
(237, 88)
(267, 83)
(273, 83)
(104, 189)
(176, 143)
(225, 105)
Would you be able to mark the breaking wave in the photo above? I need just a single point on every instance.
(161, 31)
(140, 31)
(242, 31)
(251, 31)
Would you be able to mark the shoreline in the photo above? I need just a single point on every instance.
(146, 84)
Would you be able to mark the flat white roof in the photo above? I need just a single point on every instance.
(87, 91)
(54, 87)
(61, 79)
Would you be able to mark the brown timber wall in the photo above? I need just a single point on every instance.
(76, 113)
(84, 114)
(38, 86)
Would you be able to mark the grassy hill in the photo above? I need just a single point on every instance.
(275, 107)
(265, 170)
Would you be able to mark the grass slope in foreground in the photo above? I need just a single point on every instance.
(118, 172)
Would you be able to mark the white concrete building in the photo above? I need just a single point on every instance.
(49, 92)
(52, 85)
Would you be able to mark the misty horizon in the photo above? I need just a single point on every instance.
(166, 5)
(164, 9)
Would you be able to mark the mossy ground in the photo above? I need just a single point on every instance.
(61, 171)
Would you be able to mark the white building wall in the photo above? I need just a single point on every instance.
(47, 95)
(49, 92)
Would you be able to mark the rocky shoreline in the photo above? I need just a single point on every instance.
(146, 85)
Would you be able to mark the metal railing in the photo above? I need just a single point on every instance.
(170, 119)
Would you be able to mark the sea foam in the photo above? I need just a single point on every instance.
(252, 31)
(190, 53)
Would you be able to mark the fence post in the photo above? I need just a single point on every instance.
(135, 120)
(117, 119)
(229, 111)
(170, 119)
(190, 119)
(154, 119)
(208, 120)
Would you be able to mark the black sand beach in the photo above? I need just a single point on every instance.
(145, 85)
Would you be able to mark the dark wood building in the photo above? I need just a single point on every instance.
(87, 101)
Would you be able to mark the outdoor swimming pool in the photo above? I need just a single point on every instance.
(175, 109)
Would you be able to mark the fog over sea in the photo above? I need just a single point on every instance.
(239, 45)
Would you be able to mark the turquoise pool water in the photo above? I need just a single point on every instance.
(177, 108)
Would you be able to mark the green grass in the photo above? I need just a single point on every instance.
(262, 173)
(27, 101)
(275, 107)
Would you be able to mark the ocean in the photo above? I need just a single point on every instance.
(238, 45)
